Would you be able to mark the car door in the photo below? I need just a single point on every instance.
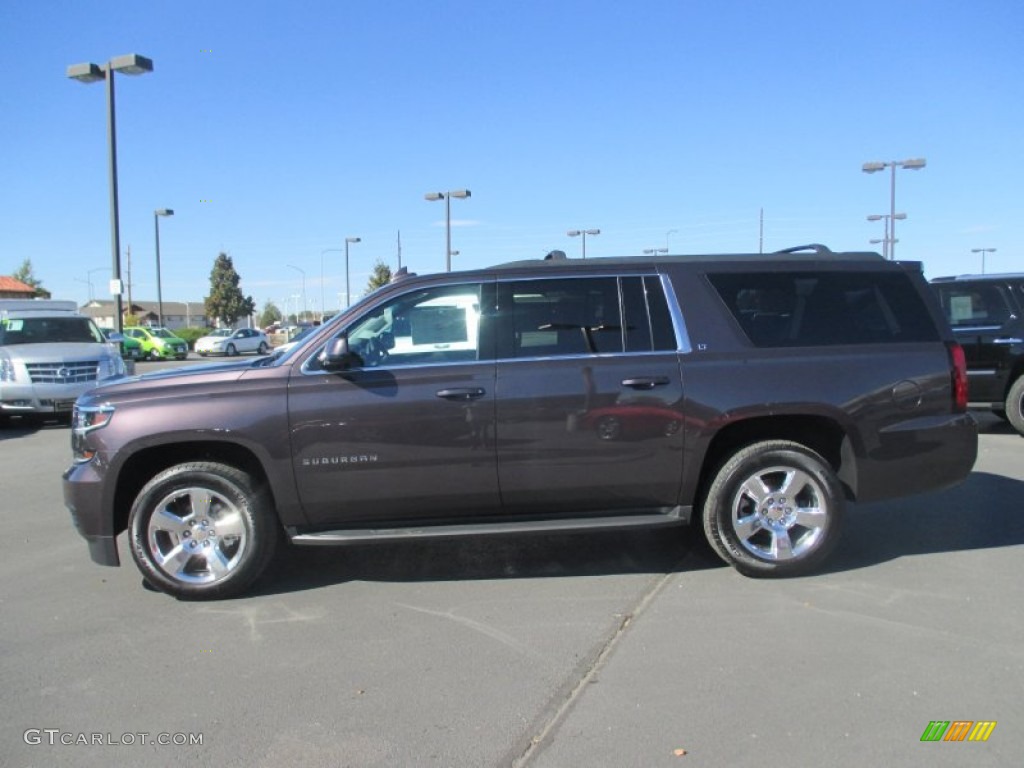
(978, 312)
(589, 405)
(408, 431)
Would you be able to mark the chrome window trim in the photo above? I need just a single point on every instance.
(683, 345)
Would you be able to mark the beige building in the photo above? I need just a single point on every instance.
(177, 314)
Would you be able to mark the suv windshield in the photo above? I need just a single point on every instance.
(49, 330)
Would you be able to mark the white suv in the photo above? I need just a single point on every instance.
(49, 355)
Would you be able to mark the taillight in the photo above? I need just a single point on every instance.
(958, 374)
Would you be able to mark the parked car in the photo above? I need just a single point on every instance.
(49, 355)
(282, 349)
(131, 348)
(752, 394)
(158, 343)
(228, 342)
(986, 313)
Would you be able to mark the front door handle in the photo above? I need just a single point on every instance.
(645, 382)
(466, 394)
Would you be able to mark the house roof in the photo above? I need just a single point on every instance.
(11, 285)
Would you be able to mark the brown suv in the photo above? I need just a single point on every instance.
(756, 394)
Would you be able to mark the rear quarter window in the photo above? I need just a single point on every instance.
(795, 309)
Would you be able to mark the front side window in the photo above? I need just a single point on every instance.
(434, 325)
(967, 306)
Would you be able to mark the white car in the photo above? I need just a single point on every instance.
(228, 342)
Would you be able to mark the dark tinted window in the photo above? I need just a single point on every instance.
(49, 330)
(662, 331)
(791, 309)
(968, 305)
(559, 317)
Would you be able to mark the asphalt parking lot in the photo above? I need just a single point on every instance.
(593, 650)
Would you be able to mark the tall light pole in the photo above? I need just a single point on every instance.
(130, 64)
(983, 251)
(583, 234)
(323, 305)
(348, 292)
(461, 194)
(303, 272)
(670, 232)
(159, 292)
(913, 164)
(888, 237)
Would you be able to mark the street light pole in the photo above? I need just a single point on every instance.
(159, 291)
(348, 292)
(303, 272)
(654, 251)
(983, 251)
(887, 218)
(913, 164)
(582, 233)
(130, 64)
(461, 194)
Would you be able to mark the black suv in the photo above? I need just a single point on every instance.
(986, 313)
(754, 393)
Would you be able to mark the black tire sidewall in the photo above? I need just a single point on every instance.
(235, 485)
(717, 512)
(1015, 405)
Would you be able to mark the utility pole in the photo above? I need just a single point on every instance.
(399, 249)
(128, 256)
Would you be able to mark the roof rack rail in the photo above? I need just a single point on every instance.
(815, 247)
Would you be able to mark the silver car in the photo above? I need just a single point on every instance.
(49, 355)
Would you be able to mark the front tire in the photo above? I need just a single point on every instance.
(775, 508)
(231, 351)
(202, 530)
(1015, 405)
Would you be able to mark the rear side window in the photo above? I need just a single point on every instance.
(563, 317)
(795, 309)
(972, 306)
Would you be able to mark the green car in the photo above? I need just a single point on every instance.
(131, 349)
(158, 343)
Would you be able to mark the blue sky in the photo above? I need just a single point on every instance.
(276, 130)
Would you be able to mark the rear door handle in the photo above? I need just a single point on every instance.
(645, 382)
(469, 393)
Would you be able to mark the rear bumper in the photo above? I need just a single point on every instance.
(915, 456)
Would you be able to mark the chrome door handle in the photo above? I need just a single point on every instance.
(645, 382)
(469, 393)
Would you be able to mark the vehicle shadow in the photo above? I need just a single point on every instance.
(298, 568)
(983, 512)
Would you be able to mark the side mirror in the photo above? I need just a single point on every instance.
(338, 356)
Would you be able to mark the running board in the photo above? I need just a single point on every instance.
(671, 517)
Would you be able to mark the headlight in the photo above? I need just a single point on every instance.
(7, 369)
(111, 366)
(85, 420)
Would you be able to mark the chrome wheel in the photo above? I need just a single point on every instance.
(196, 536)
(203, 530)
(779, 513)
(774, 508)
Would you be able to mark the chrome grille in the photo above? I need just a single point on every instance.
(63, 373)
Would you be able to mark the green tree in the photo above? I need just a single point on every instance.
(271, 314)
(24, 274)
(380, 276)
(226, 302)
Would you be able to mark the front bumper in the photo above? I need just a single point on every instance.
(91, 513)
(41, 398)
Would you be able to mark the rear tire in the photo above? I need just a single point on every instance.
(775, 508)
(1015, 405)
(202, 530)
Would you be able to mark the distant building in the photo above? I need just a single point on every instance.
(177, 314)
(10, 288)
